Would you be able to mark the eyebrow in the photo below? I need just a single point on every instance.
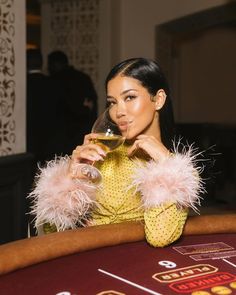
(123, 92)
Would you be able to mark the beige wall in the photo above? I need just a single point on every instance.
(206, 73)
(140, 17)
(128, 26)
(20, 74)
(12, 77)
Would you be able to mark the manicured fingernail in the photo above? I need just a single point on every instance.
(98, 158)
(102, 152)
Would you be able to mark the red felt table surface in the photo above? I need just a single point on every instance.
(137, 262)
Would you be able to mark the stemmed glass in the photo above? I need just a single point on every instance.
(109, 137)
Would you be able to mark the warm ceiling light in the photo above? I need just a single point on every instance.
(33, 19)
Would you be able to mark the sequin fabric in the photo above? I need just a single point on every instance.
(118, 202)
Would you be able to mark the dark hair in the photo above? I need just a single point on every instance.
(150, 75)
(57, 62)
(58, 56)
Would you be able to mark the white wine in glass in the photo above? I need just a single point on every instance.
(109, 143)
(109, 137)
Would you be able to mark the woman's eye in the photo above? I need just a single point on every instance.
(130, 97)
(110, 103)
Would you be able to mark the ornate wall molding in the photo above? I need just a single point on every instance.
(7, 77)
(73, 28)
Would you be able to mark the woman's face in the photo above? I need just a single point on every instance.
(131, 102)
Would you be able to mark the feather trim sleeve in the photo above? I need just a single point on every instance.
(59, 199)
(173, 180)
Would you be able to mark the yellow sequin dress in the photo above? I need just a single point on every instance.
(118, 202)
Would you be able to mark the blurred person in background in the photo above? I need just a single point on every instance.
(45, 130)
(79, 97)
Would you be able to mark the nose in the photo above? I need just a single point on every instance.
(120, 109)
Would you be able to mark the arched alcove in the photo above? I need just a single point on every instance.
(198, 54)
(194, 50)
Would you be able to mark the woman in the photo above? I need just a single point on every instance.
(143, 180)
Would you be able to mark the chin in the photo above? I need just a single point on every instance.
(131, 137)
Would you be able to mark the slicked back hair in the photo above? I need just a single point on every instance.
(148, 72)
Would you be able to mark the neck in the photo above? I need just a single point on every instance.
(154, 128)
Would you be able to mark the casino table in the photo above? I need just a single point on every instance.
(197, 265)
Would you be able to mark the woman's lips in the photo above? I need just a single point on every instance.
(123, 126)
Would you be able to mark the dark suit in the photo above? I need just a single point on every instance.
(76, 87)
(45, 122)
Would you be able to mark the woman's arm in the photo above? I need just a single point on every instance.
(168, 187)
(163, 225)
(62, 196)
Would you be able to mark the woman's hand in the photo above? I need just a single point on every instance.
(151, 145)
(88, 152)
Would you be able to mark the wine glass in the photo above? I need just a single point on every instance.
(109, 134)
(109, 137)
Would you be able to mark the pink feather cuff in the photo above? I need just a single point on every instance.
(59, 199)
(174, 180)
